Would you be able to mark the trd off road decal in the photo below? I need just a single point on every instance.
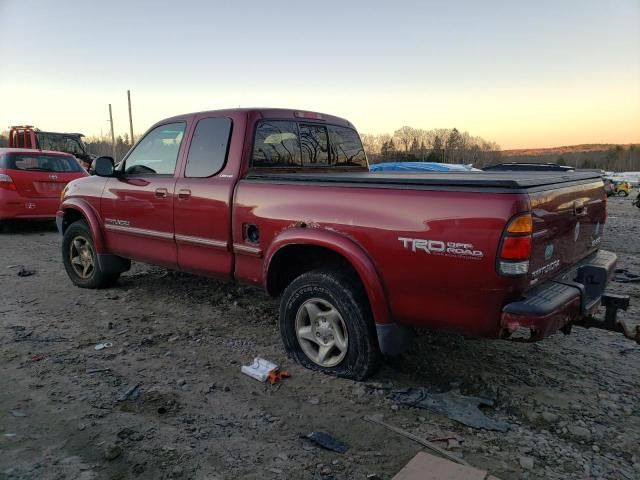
(118, 222)
(439, 247)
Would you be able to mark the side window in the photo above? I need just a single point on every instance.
(314, 145)
(157, 152)
(276, 145)
(208, 150)
(346, 147)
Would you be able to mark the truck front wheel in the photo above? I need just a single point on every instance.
(325, 323)
(81, 260)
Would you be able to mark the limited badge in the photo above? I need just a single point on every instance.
(576, 232)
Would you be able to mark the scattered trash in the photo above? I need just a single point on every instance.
(102, 346)
(23, 272)
(264, 370)
(17, 413)
(37, 358)
(438, 468)
(121, 332)
(327, 441)
(131, 393)
(98, 370)
(452, 404)
(29, 337)
(622, 275)
(378, 420)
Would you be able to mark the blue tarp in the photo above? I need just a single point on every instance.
(418, 166)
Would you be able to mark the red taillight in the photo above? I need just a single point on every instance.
(515, 249)
(6, 182)
(606, 208)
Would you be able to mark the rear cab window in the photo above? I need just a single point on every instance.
(41, 163)
(296, 145)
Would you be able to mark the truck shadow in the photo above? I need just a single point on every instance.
(27, 227)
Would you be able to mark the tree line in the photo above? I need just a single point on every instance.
(445, 145)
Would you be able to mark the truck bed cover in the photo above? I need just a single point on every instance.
(509, 181)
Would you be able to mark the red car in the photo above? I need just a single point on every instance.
(284, 200)
(31, 182)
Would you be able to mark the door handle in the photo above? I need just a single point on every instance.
(184, 193)
(162, 192)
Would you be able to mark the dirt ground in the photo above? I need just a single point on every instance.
(571, 401)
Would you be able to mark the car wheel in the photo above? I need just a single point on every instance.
(326, 324)
(623, 193)
(80, 258)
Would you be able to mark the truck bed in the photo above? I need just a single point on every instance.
(495, 181)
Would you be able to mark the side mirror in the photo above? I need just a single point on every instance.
(103, 167)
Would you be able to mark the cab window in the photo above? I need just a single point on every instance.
(314, 144)
(208, 150)
(276, 145)
(346, 147)
(157, 152)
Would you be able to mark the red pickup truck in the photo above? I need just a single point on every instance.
(284, 200)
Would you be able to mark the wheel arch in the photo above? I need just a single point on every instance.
(299, 250)
(76, 209)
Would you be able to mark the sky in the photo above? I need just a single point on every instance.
(523, 74)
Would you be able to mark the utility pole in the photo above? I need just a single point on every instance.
(130, 117)
(113, 137)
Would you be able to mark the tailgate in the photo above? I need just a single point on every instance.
(567, 227)
(39, 184)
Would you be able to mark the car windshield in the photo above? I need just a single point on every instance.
(43, 163)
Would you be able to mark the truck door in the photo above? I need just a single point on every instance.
(137, 206)
(202, 212)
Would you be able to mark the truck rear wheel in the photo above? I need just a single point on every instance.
(81, 260)
(325, 323)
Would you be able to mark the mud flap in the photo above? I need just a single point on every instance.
(112, 263)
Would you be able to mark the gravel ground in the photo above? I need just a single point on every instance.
(571, 401)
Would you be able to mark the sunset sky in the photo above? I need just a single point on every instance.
(521, 73)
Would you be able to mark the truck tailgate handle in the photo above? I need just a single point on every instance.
(579, 209)
(184, 193)
(162, 192)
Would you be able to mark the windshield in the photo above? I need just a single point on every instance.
(59, 142)
(43, 163)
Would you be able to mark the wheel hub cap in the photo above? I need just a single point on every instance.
(321, 332)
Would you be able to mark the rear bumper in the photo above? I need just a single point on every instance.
(15, 206)
(560, 303)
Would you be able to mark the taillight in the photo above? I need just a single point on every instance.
(515, 248)
(6, 182)
(606, 208)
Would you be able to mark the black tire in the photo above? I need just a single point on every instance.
(623, 193)
(344, 292)
(95, 277)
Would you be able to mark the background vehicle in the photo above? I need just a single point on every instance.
(28, 137)
(617, 187)
(31, 182)
(284, 200)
